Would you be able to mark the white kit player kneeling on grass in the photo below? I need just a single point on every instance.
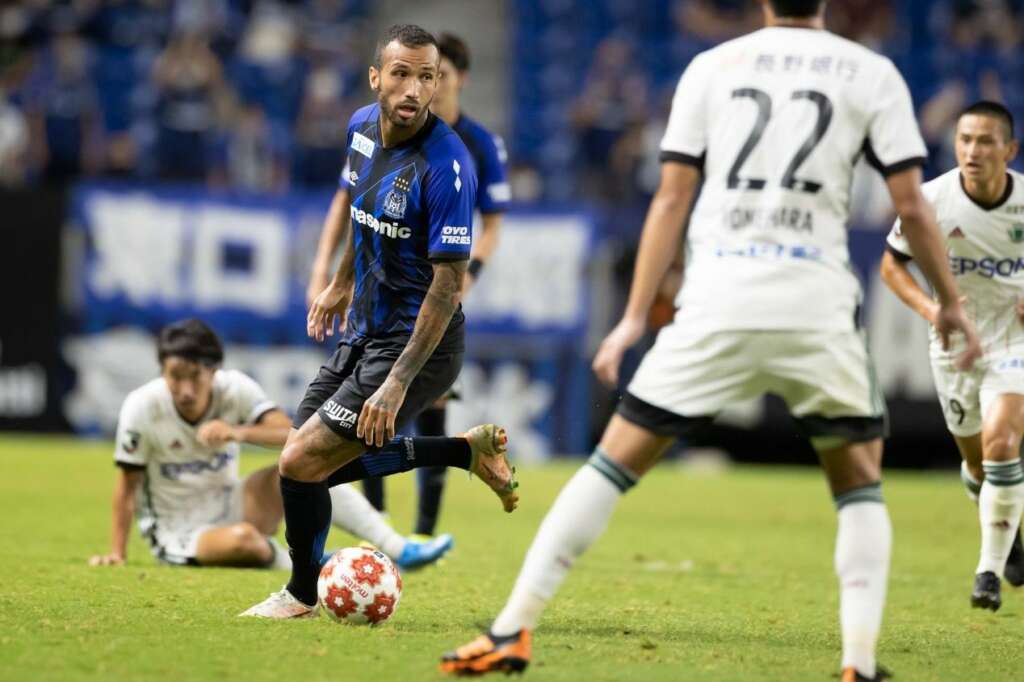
(980, 210)
(177, 450)
(768, 126)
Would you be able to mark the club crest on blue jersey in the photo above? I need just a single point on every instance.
(394, 204)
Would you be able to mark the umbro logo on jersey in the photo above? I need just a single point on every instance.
(957, 233)
(176, 444)
(340, 413)
(363, 144)
(353, 177)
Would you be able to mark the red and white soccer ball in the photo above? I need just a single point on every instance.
(359, 585)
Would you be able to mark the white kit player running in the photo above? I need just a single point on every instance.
(980, 210)
(774, 121)
(178, 452)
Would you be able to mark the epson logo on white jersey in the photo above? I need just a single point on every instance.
(382, 227)
(986, 267)
(340, 413)
(451, 234)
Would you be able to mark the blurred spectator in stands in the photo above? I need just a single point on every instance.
(14, 142)
(251, 155)
(710, 22)
(189, 81)
(16, 63)
(869, 22)
(614, 99)
(62, 106)
(333, 32)
(267, 70)
(976, 57)
(320, 130)
(128, 36)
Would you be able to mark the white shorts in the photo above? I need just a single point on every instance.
(826, 379)
(966, 396)
(176, 542)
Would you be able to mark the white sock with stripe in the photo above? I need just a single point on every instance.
(972, 486)
(577, 518)
(999, 508)
(353, 513)
(863, 549)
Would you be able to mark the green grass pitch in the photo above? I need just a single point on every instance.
(700, 577)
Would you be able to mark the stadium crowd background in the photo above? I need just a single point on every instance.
(245, 97)
(253, 95)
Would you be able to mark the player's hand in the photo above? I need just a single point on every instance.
(216, 433)
(609, 355)
(327, 309)
(951, 319)
(112, 559)
(376, 424)
(1020, 310)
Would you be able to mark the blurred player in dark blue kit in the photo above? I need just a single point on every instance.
(493, 194)
(408, 192)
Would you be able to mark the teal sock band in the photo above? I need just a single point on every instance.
(1003, 473)
(868, 493)
(620, 477)
(972, 485)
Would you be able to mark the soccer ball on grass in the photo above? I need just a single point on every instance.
(359, 585)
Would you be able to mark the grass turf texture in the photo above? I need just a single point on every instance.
(718, 577)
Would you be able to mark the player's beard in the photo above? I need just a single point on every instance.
(396, 120)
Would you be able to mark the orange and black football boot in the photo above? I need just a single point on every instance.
(489, 654)
(851, 675)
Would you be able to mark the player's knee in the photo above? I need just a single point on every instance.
(1000, 444)
(296, 464)
(247, 542)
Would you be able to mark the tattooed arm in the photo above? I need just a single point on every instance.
(376, 423)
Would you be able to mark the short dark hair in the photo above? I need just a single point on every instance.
(796, 8)
(454, 49)
(192, 340)
(408, 35)
(996, 110)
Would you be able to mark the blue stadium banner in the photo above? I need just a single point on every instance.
(151, 255)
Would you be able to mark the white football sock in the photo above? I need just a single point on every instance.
(281, 558)
(999, 508)
(577, 518)
(863, 548)
(353, 513)
(971, 485)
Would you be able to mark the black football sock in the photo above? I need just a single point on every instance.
(430, 480)
(431, 489)
(373, 488)
(402, 454)
(307, 518)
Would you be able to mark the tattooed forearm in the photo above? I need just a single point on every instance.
(435, 314)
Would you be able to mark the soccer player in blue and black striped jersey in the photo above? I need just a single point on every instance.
(493, 194)
(407, 196)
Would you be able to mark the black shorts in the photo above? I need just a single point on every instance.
(354, 373)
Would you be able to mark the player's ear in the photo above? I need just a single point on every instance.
(1011, 152)
(374, 76)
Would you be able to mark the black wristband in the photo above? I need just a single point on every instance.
(474, 267)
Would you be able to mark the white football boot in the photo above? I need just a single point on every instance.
(281, 604)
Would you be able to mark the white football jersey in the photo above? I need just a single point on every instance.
(777, 119)
(186, 484)
(985, 245)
